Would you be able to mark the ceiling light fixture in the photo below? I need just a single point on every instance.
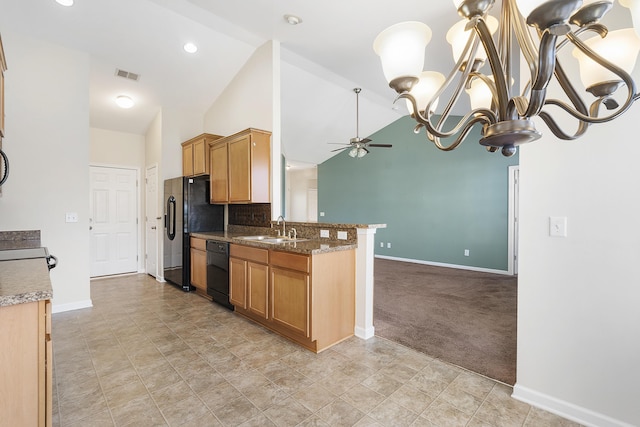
(65, 2)
(292, 19)
(505, 115)
(124, 101)
(190, 48)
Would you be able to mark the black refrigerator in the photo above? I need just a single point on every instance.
(187, 210)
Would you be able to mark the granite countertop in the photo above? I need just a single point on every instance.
(24, 281)
(306, 246)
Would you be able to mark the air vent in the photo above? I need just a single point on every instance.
(127, 75)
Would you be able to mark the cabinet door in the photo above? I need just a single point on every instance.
(187, 160)
(218, 174)
(258, 280)
(199, 269)
(240, 170)
(290, 299)
(238, 282)
(200, 157)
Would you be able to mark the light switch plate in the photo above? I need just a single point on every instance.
(558, 226)
(324, 233)
(71, 217)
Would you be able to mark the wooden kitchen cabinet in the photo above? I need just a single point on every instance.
(245, 175)
(26, 364)
(195, 155)
(249, 278)
(199, 264)
(310, 299)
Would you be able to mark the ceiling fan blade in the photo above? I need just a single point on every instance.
(380, 145)
(339, 149)
(338, 143)
(365, 140)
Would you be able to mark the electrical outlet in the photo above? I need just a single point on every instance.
(466, 252)
(382, 244)
(324, 233)
(342, 235)
(321, 213)
(388, 245)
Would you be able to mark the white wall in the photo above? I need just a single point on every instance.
(579, 296)
(111, 148)
(47, 141)
(252, 100)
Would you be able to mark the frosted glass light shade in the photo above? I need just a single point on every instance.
(353, 152)
(401, 49)
(423, 91)
(479, 94)
(457, 37)
(634, 8)
(620, 47)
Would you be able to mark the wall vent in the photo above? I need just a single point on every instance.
(127, 75)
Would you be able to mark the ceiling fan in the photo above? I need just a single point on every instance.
(358, 147)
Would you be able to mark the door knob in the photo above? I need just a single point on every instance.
(90, 228)
(153, 228)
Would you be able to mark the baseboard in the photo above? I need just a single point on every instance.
(60, 308)
(364, 333)
(564, 409)
(440, 264)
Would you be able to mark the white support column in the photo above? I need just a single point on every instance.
(364, 283)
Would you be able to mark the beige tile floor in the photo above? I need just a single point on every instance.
(148, 354)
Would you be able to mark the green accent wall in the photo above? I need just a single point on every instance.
(436, 204)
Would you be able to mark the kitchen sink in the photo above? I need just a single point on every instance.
(271, 239)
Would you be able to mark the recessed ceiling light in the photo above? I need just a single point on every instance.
(65, 2)
(124, 101)
(190, 48)
(292, 19)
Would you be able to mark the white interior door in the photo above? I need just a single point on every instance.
(152, 221)
(113, 221)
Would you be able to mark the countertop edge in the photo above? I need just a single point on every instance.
(308, 246)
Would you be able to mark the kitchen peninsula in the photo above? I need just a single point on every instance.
(316, 288)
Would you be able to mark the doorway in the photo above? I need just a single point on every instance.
(113, 220)
(151, 220)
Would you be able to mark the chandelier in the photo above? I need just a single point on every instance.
(541, 30)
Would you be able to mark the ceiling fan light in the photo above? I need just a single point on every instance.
(401, 49)
(361, 152)
(353, 152)
(620, 47)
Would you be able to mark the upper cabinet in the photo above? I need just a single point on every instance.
(3, 68)
(240, 168)
(195, 155)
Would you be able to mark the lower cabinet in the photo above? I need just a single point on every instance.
(309, 299)
(199, 264)
(26, 364)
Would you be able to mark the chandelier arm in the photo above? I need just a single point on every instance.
(525, 43)
(462, 81)
(570, 90)
(624, 76)
(461, 137)
(546, 67)
(478, 115)
(555, 129)
(496, 68)
(599, 29)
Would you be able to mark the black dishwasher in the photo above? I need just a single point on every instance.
(218, 272)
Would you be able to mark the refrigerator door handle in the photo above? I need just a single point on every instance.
(171, 218)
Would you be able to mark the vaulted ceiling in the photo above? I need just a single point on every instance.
(324, 57)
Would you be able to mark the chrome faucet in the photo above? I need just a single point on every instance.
(283, 226)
